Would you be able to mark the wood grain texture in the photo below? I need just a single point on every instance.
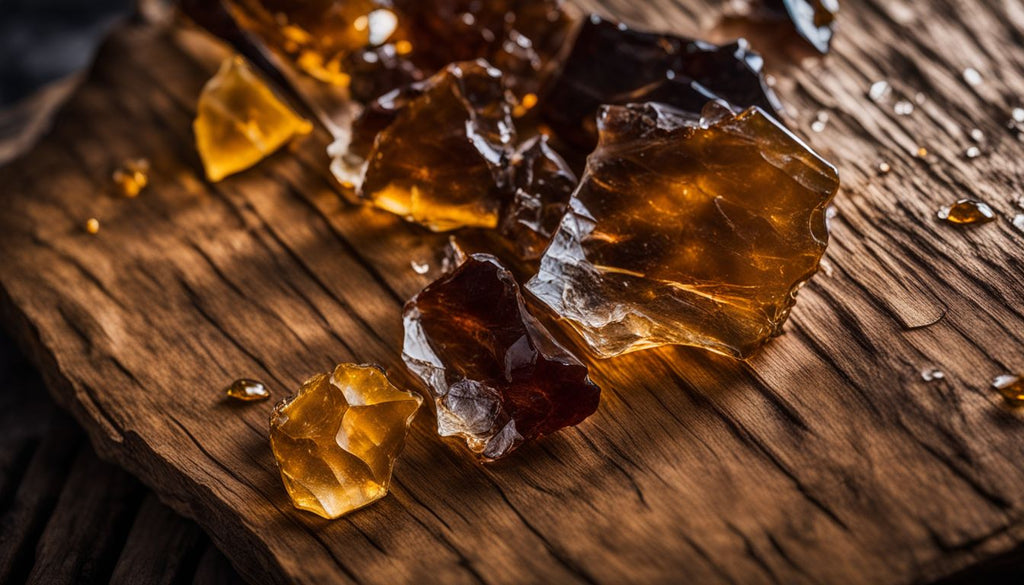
(826, 459)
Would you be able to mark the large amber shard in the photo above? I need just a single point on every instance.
(240, 121)
(497, 376)
(336, 441)
(319, 36)
(813, 20)
(443, 161)
(613, 64)
(686, 229)
(543, 183)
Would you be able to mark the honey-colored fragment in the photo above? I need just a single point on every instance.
(1011, 388)
(92, 226)
(132, 177)
(966, 212)
(691, 230)
(319, 35)
(337, 440)
(240, 121)
(442, 162)
(247, 390)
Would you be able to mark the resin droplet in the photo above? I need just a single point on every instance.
(932, 374)
(497, 376)
(443, 161)
(612, 64)
(132, 177)
(543, 184)
(240, 121)
(688, 230)
(337, 440)
(1011, 388)
(1018, 222)
(972, 77)
(92, 226)
(813, 20)
(247, 390)
(880, 91)
(966, 212)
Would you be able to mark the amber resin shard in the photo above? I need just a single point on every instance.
(319, 35)
(240, 121)
(692, 230)
(543, 183)
(443, 161)
(1011, 388)
(813, 20)
(497, 376)
(613, 64)
(523, 38)
(336, 441)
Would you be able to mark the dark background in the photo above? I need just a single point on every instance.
(45, 40)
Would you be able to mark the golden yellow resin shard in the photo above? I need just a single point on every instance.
(336, 441)
(241, 121)
(686, 229)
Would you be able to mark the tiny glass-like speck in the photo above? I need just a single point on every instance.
(972, 77)
(247, 390)
(420, 268)
(932, 374)
(880, 91)
(903, 108)
(973, 152)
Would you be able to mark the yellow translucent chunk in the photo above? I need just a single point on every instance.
(336, 441)
(240, 121)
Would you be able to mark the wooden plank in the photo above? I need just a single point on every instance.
(86, 531)
(826, 458)
(159, 549)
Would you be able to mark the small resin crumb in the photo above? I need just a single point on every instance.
(420, 268)
(884, 168)
(132, 177)
(922, 152)
(1011, 388)
(880, 91)
(973, 152)
(967, 211)
(247, 390)
(903, 108)
(92, 225)
(977, 135)
(932, 374)
(972, 77)
(1018, 222)
(1018, 115)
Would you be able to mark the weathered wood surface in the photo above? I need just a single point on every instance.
(65, 517)
(826, 459)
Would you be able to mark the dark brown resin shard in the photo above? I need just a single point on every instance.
(522, 38)
(612, 64)
(497, 376)
(443, 161)
(691, 230)
(813, 20)
(543, 183)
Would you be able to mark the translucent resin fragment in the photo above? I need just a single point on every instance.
(319, 35)
(688, 230)
(247, 390)
(1011, 388)
(336, 441)
(240, 121)
(132, 177)
(966, 212)
(612, 64)
(813, 20)
(543, 183)
(497, 376)
(522, 38)
(443, 161)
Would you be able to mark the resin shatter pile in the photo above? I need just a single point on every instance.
(336, 441)
(688, 230)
